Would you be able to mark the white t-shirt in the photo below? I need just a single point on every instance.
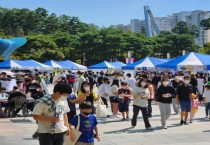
(3, 96)
(46, 110)
(103, 88)
(206, 95)
(138, 101)
(113, 89)
(131, 82)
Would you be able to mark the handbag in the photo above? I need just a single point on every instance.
(76, 133)
(101, 110)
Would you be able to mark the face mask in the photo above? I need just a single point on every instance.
(187, 81)
(143, 84)
(165, 83)
(62, 98)
(86, 113)
(177, 77)
(87, 88)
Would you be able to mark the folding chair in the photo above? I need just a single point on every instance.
(18, 102)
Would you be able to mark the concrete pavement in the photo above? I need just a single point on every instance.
(16, 131)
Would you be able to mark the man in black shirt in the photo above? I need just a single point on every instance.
(13, 94)
(184, 93)
(31, 87)
(165, 93)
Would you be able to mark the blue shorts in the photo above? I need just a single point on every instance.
(123, 106)
(185, 106)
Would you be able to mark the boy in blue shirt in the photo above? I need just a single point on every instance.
(88, 124)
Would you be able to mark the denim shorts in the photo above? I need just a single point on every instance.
(185, 106)
(124, 106)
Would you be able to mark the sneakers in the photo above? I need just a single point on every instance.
(35, 135)
(149, 128)
(133, 126)
(185, 123)
(123, 119)
(181, 122)
(176, 113)
(164, 127)
(114, 116)
(127, 119)
(149, 116)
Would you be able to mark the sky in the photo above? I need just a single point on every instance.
(109, 12)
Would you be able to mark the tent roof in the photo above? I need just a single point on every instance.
(10, 64)
(53, 63)
(32, 64)
(190, 59)
(72, 65)
(147, 62)
(102, 65)
(117, 64)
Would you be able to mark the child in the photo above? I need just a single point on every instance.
(71, 102)
(88, 123)
(206, 100)
(194, 108)
(124, 99)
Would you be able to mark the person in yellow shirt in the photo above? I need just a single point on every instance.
(86, 94)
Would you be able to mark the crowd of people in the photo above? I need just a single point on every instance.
(56, 113)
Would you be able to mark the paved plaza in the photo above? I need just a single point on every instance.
(16, 131)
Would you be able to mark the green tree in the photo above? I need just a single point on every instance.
(206, 23)
(183, 28)
(205, 49)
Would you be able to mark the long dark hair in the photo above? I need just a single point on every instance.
(115, 82)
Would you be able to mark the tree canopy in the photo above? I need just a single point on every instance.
(66, 37)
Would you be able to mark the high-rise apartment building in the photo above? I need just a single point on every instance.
(135, 25)
(163, 23)
(169, 22)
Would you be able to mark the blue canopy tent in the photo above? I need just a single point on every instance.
(67, 64)
(117, 64)
(102, 65)
(10, 64)
(189, 62)
(145, 63)
(53, 63)
(32, 64)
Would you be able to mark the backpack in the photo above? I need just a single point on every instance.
(71, 79)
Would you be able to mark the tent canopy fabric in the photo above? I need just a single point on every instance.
(190, 61)
(147, 62)
(72, 65)
(34, 64)
(22, 64)
(117, 64)
(53, 63)
(102, 65)
(10, 64)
